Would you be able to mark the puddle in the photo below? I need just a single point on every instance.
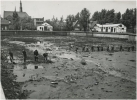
(32, 66)
(26, 72)
(69, 56)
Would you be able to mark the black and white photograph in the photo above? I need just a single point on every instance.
(63, 49)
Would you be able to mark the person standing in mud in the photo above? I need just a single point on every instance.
(24, 55)
(11, 56)
(45, 55)
(83, 49)
(112, 48)
(98, 48)
(76, 49)
(92, 48)
(108, 48)
(36, 55)
(121, 48)
(133, 48)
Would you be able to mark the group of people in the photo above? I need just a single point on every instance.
(45, 55)
(100, 48)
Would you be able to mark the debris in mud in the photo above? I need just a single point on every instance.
(83, 62)
(132, 60)
(96, 83)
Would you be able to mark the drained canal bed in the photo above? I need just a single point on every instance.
(71, 75)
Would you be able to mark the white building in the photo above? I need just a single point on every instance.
(45, 27)
(115, 28)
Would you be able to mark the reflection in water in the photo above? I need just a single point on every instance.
(26, 72)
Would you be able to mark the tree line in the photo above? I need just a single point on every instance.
(128, 18)
(18, 23)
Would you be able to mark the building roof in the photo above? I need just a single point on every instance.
(20, 14)
(45, 24)
(4, 21)
(109, 25)
(74, 23)
(92, 24)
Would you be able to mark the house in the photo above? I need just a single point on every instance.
(76, 26)
(38, 21)
(114, 28)
(45, 27)
(9, 14)
(92, 24)
(4, 24)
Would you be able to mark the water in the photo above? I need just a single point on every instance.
(27, 72)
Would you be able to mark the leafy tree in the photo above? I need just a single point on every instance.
(84, 18)
(69, 22)
(117, 18)
(16, 25)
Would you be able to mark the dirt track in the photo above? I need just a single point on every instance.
(106, 75)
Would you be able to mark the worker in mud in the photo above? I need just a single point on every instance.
(98, 48)
(11, 56)
(128, 49)
(83, 49)
(36, 55)
(92, 48)
(108, 48)
(112, 48)
(76, 49)
(133, 48)
(121, 48)
(45, 55)
(24, 55)
(101, 48)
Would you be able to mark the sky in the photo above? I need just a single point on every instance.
(48, 9)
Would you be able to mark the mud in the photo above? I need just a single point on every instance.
(71, 75)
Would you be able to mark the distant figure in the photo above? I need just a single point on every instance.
(112, 48)
(24, 55)
(76, 49)
(92, 48)
(45, 55)
(98, 48)
(11, 56)
(83, 49)
(133, 48)
(101, 48)
(108, 48)
(87, 49)
(128, 49)
(121, 48)
(36, 55)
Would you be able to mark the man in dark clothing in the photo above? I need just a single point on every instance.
(101, 48)
(98, 48)
(92, 48)
(128, 49)
(76, 49)
(11, 56)
(133, 48)
(45, 55)
(24, 55)
(108, 48)
(83, 49)
(121, 48)
(112, 48)
(36, 55)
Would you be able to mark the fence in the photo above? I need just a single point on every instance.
(129, 36)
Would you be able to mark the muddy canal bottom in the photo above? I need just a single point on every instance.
(103, 76)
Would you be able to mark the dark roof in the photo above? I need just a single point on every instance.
(4, 21)
(92, 24)
(20, 14)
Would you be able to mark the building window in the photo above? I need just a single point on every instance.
(120, 25)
